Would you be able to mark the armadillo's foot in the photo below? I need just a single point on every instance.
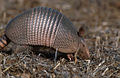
(70, 56)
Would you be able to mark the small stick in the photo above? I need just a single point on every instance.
(56, 66)
(76, 55)
(7, 69)
(105, 71)
(55, 56)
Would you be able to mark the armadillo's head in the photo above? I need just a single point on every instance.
(83, 51)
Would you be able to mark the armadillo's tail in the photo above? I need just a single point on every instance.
(3, 41)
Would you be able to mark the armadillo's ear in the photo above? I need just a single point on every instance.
(81, 31)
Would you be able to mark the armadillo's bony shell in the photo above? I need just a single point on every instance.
(43, 26)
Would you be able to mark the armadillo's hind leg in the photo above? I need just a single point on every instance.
(3, 42)
(20, 48)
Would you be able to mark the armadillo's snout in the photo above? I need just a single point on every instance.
(84, 54)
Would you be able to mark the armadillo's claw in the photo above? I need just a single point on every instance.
(70, 56)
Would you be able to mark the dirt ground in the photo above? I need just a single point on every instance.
(101, 20)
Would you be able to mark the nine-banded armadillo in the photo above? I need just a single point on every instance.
(45, 26)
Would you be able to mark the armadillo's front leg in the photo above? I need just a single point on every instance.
(18, 48)
(22, 48)
(70, 56)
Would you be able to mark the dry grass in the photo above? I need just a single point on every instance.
(101, 20)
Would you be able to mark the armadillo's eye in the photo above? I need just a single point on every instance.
(83, 45)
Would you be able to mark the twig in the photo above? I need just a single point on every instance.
(7, 69)
(105, 71)
(95, 71)
(56, 66)
(55, 56)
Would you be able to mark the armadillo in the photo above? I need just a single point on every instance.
(47, 27)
